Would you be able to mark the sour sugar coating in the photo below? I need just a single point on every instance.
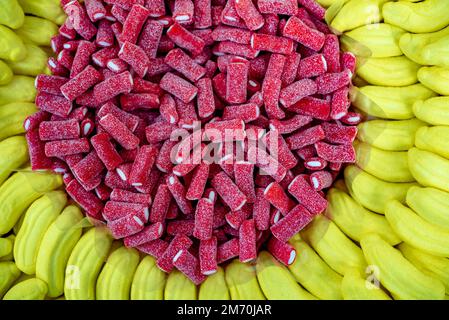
(59, 130)
(247, 241)
(204, 218)
(113, 86)
(87, 200)
(119, 132)
(275, 44)
(271, 86)
(208, 256)
(136, 57)
(126, 226)
(188, 264)
(185, 39)
(283, 251)
(114, 210)
(228, 191)
(141, 168)
(288, 7)
(128, 196)
(237, 74)
(249, 14)
(178, 87)
(335, 153)
(106, 151)
(298, 31)
(178, 192)
(181, 62)
(149, 233)
(301, 189)
(59, 148)
(205, 98)
(179, 242)
(228, 250)
(276, 195)
(297, 91)
(292, 223)
(313, 107)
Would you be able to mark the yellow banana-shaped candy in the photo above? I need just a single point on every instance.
(355, 287)
(276, 281)
(390, 135)
(179, 287)
(13, 154)
(436, 267)
(114, 282)
(8, 274)
(47, 9)
(371, 192)
(356, 13)
(397, 274)
(436, 53)
(12, 47)
(354, 220)
(430, 204)
(313, 273)
(37, 30)
(412, 44)
(434, 139)
(433, 111)
(393, 71)
(38, 218)
(149, 281)
(417, 232)
(34, 63)
(242, 281)
(420, 17)
(31, 289)
(391, 166)
(429, 169)
(389, 102)
(12, 116)
(20, 89)
(381, 39)
(85, 263)
(435, 78)
(5, 73)
(18, 225)
(11, 14)
(56, 246)
(336, 249)
(214, 287)
(6, 246)
(10, 255)
(19, 191)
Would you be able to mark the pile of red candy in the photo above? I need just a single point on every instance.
(131, 73)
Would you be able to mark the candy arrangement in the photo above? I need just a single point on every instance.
(229, 77)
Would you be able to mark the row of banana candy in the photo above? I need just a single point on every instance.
(385, 234)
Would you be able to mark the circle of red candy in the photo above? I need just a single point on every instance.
(129, 73)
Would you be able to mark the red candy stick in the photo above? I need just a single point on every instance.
(79, 19)
(80, 83)
(237, 73)
(339, 134)
(150, 38)
(119, 132)
(66, 147)
(181, 62)
(228, 191)
(160, 204)
(297, 91)
(227, 130)
(179, 242)
(164, 162)
(126, 226)
(134, 101)
(149, 233)
(168, 109)
(306, 152)
(230, 16)
(290, 125)
(124, 170)
(70, 45)
(243, 173)
(199, 180)
(134, 23)
(261, 211)
(306, 137)
(340, 103)
(237, 49)
(331, 82)
(348, 62)
(82, 57)
(49, 84)
(314, 8)
(119, 13)
(136, 57)
(185, 39)
(157, 132)
(155, 248)
(114, 210)
(282, 251)
(128, 196)
(298, 31)
(144, 86)
(321, 180)
(266, 42)
(143, 164)
(56, 68)
(101, 57)
(205, 100)
(103, 192)
(312, 66)
(33, 121)
(117, 65)
(179, 194)
(314, 107)
(288, 7)
(54, 104)
(87, 200)
(225, 33)
(125, 4)
(183, 11)
(113, 181)
(113, 86)
(178, 87)
(306, 195)
(208, 256)
(315, 163)
(36, 151)
(188, 264)
(156, 7)
(271, 86)
(249, 13)
(228, 250)
(204, 216)
(66, 32)
(290, 68)
(247, 241)
(88, 168)
(292, 223)
(276, 195)
(335, 153)
(331, 52)
(267, 163)
(130, 120)
(59, 130)
(95, 9)
(106, 151)
(184, 227)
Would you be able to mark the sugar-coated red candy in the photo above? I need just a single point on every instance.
(297, 91)
(184, 227)
(161, 203)
(288, 7)
(188, 264)
(276, 195)
(59, 130)
(181, 62)
(179, 242)
(128, 196)
(66, 147)
(204, 218)
(136, 57)
(247, 241)
(79, 19)
(306, 195)
(226, 33)
(292, 223)
(228, 191)
(134, 23)
(185, 39)
(282, 251)
(335, 153)
(306, 137)
(271, 43)
(119, 131)
(208, 256)
(315, 163)
(126, 226)
(113, 86)
(149, 233)
(114, 210)
(155, 248)
(313, 107)
(178, 192)
(54, 104)
(228, 250)
(271, 86)
(36, 151)
(297, 30)
(87, 200)
(249, 14)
